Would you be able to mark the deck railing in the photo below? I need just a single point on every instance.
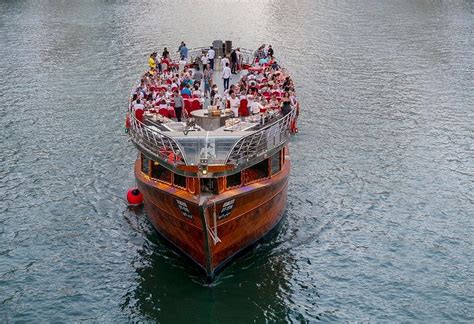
(249, 148)
(263, 141)
(155, 142)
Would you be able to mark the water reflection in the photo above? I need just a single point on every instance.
(254, 287)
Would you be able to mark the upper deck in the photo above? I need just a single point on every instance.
(187, 147)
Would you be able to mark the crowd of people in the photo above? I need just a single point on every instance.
(262, 85)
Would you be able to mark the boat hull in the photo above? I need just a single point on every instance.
(213, 230)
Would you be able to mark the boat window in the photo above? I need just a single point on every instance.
(257, 172)
(179, 181)
(234, 180)
(209, 186)
(276, 163)
(145, 164)
(159, 172)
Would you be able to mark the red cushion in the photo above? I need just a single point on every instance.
(163, 112)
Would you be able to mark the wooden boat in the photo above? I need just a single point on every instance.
(213, 193)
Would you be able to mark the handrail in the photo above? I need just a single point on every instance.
(262, 141)
(155, 142)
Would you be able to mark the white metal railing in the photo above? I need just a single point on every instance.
(155, 143)
(254, 145)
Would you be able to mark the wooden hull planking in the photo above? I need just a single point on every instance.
(255, 209)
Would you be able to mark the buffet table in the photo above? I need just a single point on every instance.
(209, 122)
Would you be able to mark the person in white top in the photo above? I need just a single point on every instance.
(205, 60)
(181, 66)
(234, 103)
(255, 107)
(225, 61)
(226, 73)
(211, 54)
(138, 105)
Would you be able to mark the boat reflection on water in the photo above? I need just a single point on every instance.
(254, 288)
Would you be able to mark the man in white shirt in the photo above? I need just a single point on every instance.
(226, 73)
(234, 103)
(211, 54)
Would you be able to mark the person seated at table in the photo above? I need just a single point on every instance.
(217, 100)
(250, 100)
(174, 84)
(274, 101)
(243, 81)
(161, 95)
(186, 90)
(234, 103)
(255, 107)
(263, 61)
(214, 91)
(196, 92)
(162, 104)
(138, 105)
(167, 75)
(264, 88)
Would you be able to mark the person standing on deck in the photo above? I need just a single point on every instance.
(234, 103)
(270, 51)
(233, 61)
(207, 75)
(205, 60)
(224, 61)
(183, 52)
(166, 54)
(211, 54)
(226, 74)
(152, 61)
(198, 76)
(178, 105)
(240, 59)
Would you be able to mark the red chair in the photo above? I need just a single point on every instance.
(139, 114)
(243, 108)
(171, 113)
(163, 112)
(185, 96)
(173, 89)
(187, 106)
(195, 96)
(266, 94)
(195, 105)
